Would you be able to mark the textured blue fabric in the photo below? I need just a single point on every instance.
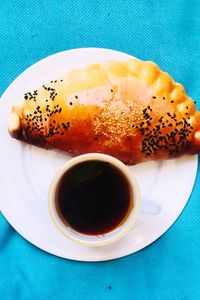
(166, 32)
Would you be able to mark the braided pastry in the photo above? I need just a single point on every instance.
(131, 110)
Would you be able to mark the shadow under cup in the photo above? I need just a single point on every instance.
(94, 199)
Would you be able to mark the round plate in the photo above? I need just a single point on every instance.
(26, 173)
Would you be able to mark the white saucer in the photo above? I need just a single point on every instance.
(26, 172)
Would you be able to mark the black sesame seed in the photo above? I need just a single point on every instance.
(70, 103)
(148, 123)
(154, 97)
(146, 116)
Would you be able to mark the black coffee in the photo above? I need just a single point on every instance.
(93, 197)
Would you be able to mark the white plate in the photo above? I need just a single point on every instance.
(26, 172)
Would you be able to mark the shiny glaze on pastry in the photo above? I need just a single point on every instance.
(131, 110)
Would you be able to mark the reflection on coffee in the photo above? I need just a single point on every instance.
(94, 197)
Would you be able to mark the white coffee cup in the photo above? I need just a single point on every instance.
(116, 233)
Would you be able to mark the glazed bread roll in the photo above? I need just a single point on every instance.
(131, 110)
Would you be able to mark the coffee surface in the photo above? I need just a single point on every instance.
(93, 197)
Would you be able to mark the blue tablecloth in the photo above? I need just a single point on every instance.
(167, 32)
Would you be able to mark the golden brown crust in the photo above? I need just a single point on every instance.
(131, 110)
